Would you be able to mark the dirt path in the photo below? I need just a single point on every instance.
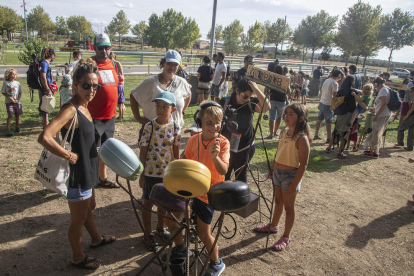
(353, 219)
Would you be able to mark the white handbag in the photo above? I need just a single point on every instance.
(53, 171)
(48, 104)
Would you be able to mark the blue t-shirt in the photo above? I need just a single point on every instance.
(358, 81)
(45, 67)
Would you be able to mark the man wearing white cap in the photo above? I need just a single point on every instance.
(103, 105)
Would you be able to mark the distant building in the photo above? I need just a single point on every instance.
(202, 44)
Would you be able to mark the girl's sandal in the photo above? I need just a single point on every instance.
(265, 228)
(281, 244)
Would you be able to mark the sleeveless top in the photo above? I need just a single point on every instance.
(287, 154)
(85, 173)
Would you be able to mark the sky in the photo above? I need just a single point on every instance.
(101, 12)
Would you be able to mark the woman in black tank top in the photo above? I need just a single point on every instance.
(83, 159)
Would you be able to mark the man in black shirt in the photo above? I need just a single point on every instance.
(242, 71)
(271, 66)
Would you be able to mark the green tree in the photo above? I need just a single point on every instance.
(397, 31)
(299, 41)
(80, 26)
(344, 40)
(218, 36)
(120, 25)
(160, 31)
(10, 22)
(231, 35)
(253, 37)
(139, 31)
(61, 26)
(318, 31)
(32, 46)
(186, 34)
(274, 32)
(326, 54)
(111, 31)
(293, 51)
(39, 20)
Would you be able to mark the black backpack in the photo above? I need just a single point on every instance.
(395, 102)
(33, 75)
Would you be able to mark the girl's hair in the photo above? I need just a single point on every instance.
(285, 70)
(379, 80)
(368, 90)
(112, 55)
(214, 112)
(206, 59)
(47, 52)
(348, 82)
(301, 127)
(162, 62)
(8, 73)
(84, 67)
(242, 85)
(307, 77)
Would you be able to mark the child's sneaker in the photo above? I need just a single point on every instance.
(372, 155)
(367, 152)
(265, 228)
(214, 269)
(151, 243)
(163, 233)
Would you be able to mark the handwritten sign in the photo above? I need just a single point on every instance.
(269, 79)
(396, 86)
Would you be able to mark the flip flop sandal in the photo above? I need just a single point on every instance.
(85, 262)
(341, 155)
(107, 183)
(104, 241)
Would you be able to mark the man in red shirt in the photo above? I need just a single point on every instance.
(103, 105)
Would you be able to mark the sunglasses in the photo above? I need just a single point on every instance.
(245, 97)
(87, 86)
(106, 48)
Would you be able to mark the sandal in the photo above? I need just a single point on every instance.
(265, 228)
(86, 261)
(105, 240)
(341, 155)
(328, 150)
(281, 244)
(107, 183)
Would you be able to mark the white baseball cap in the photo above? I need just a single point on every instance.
(102, 40)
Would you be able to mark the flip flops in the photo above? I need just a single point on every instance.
(105, 240)
(107, 183)
(85, 262)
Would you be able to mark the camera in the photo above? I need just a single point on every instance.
(230, 119)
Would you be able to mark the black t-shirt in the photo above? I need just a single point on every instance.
(317, 74)
(205, 73)
(278, 96)
(271, 67)
(244, 119)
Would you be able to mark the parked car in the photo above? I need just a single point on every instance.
(400, 72)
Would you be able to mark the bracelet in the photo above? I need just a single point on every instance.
(70, 155)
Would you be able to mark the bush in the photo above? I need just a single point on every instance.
(32, 46)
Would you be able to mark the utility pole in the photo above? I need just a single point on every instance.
(25, 19)
(283, 37)
(213, 29)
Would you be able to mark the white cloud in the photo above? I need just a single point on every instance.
(129, 6)
(276, 3)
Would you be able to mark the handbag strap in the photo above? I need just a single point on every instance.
(71, 127)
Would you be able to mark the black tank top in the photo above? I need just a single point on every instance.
(85, 173)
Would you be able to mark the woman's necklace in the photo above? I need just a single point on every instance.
(205, 146)
(165, 83)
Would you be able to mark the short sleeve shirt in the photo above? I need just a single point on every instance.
(217, 74)
(196, 151)
(159, 139)
(149, 89)
(205, 73)
(329, 87)
(46, 68)
(72, 67)
(103, 105)
(11, 89)
(383, 92)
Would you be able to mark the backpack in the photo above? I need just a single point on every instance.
(395, 102)
(33, 75)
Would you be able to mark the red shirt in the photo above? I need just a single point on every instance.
(103, 105)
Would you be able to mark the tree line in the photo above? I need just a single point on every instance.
(361, 32)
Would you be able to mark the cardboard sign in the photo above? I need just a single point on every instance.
(396, 86)
(269, 79)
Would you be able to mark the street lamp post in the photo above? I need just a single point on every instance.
(213, 29)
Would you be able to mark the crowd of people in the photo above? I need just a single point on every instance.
(92, 89)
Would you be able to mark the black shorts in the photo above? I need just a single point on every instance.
(203, 211)
(104, 129)
(149, 184)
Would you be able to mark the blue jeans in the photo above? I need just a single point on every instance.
(276, 110)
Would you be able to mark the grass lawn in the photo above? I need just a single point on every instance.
(318, 160)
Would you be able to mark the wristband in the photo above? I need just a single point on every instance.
(70, 155)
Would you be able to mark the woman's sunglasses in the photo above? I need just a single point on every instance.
(87, 86)
(245, 97)
(100, 48)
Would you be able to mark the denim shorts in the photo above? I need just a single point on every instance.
(213, 91)
(325, 113)
(283, 178)
(360, 109)
(304, 92)
(276, 110)
(76, 194)
(203, 211)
